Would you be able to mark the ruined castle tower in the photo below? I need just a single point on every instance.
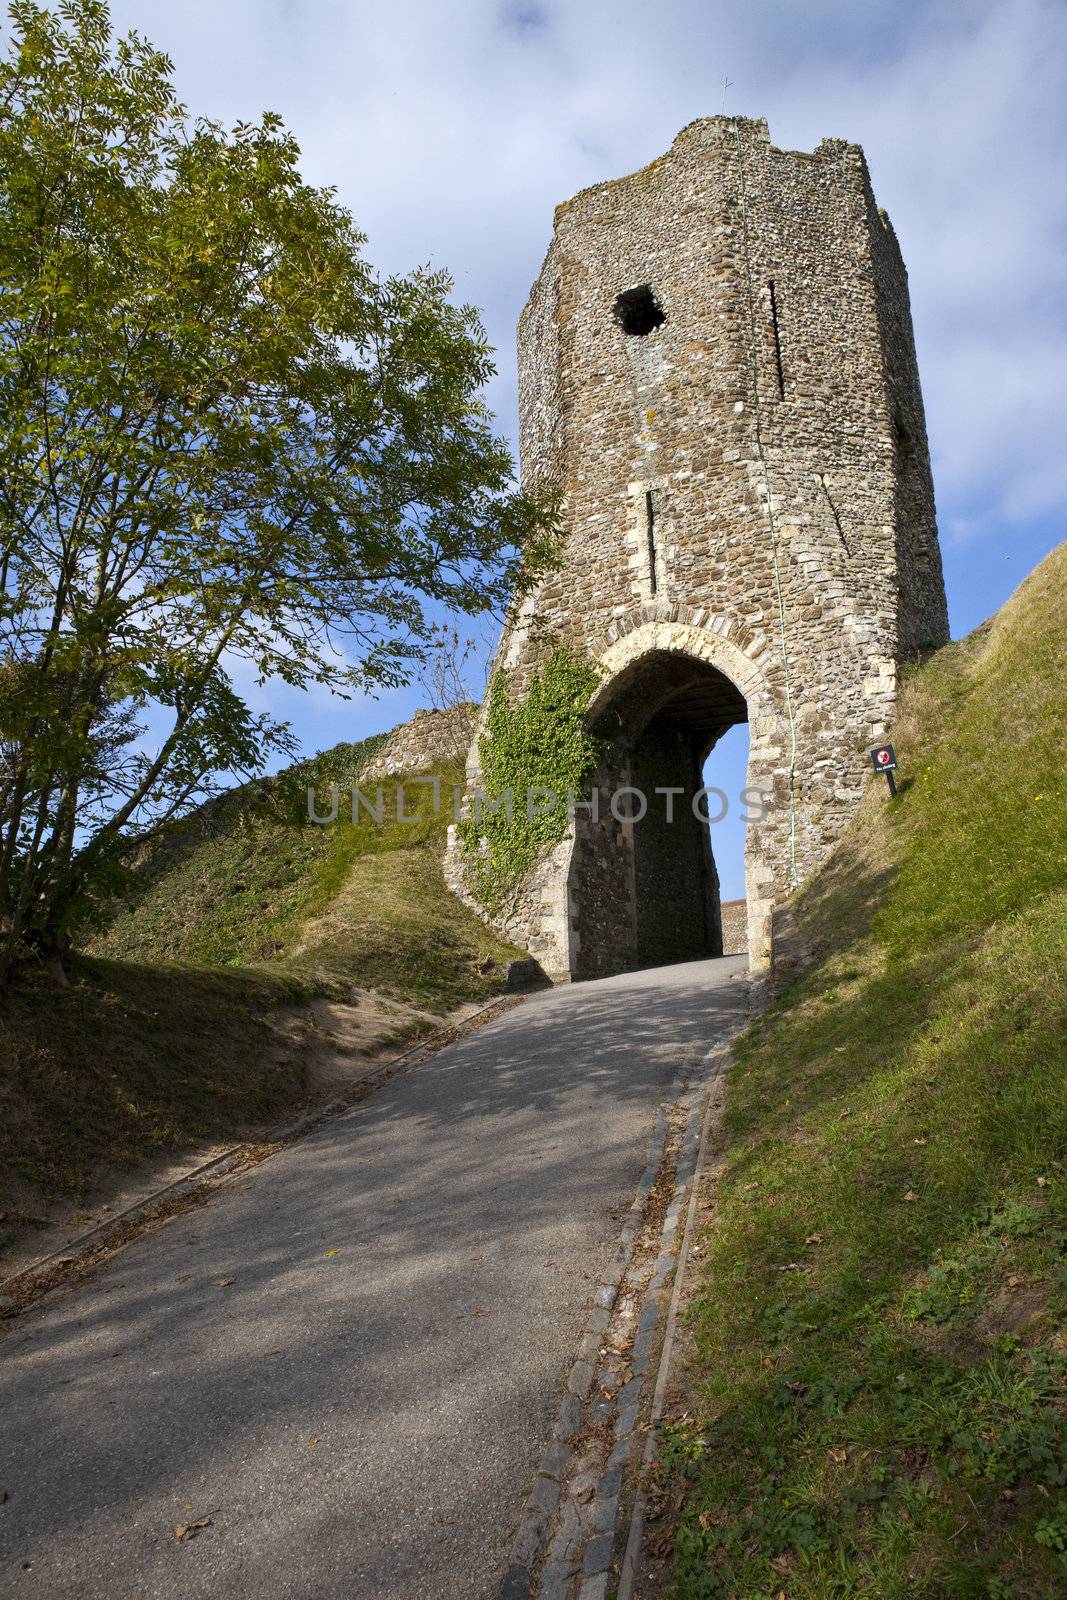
(716, 365)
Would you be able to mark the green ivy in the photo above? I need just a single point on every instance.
(537, 743)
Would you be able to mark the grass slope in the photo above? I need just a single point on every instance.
(876, 1346)
(132, 1061)
(252, 882)
(186, 1019)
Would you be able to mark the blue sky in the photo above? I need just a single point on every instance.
(452, 130)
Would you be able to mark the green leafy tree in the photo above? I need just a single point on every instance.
(224, 440)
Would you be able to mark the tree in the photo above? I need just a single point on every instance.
(448, 669)
(224, 440)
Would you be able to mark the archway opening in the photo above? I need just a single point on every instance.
(730, 808)
(644, 888)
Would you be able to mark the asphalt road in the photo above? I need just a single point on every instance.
(361, 1411)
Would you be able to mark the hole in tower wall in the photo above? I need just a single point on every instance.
(637, 311)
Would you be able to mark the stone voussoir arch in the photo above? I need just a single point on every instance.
(730, 647)
(691, 631)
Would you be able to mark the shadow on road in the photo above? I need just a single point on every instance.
(404, 1288)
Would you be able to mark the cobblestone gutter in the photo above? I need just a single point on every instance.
(567, 1546)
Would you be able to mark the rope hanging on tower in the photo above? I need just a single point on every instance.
(754, 364)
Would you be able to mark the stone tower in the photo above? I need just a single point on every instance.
(716, 365)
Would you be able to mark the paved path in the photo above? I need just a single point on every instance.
(366, 1422)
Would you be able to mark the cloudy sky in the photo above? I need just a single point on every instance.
(451, 128)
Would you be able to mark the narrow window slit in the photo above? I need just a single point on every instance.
(650, 529)
(834, 513)
(777, 340)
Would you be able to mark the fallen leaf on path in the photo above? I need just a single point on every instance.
(189, 1530)
(478, 1312)
(224, 1283)
(312, 1443)
(584, 1496)
(331, 1253)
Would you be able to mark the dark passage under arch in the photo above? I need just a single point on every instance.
(644, 893)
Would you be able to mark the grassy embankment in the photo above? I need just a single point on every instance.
(876, 1355)
(189, 1017)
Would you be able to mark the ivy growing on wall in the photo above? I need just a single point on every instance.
(538, 752)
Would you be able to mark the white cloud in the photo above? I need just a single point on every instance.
(452, 129)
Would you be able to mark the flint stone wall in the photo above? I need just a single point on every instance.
(779, 281)
(734, 927)
(431, 740)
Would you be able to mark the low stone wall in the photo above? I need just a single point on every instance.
(431, 739)
(734, 928)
